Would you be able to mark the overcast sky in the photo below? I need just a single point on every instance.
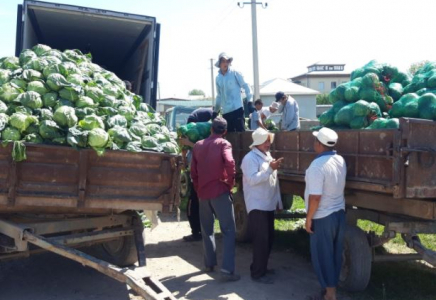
(292, 35)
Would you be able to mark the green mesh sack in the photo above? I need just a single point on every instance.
(431, 82)
(383, 123)
(402, 78)
(333, 96)
(370, 80)
(427, 106)
(359, 123)
(361, 108)
(340, 91)
(327, 118)
(352, 94)
(344, 116)
(407, 106)
(374, 110)
(395, 90)
(338, 105)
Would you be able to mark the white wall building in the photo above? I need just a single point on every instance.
(305, 97)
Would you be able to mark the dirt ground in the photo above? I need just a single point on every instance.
(176, 263)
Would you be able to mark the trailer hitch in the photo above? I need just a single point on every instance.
(413, 241)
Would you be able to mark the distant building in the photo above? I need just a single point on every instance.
(164, 104)
(323, 76)
(305, 97)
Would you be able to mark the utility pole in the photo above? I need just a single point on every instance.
(213, 88)
(253, 4)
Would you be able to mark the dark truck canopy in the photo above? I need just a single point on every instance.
(126, 44)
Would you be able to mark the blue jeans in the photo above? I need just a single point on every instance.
(221, 208)
(326, 246)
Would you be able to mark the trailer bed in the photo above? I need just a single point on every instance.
(390, 170)
(57, 179)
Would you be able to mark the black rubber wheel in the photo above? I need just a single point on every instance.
(241, 217)
(185, 184)
(357, 260)
(120, 252)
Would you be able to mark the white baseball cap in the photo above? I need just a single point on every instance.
(259, 136)
(274, 105)
(326, 136)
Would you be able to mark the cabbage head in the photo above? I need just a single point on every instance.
(161, 138)
(56, 82)
(50, 130)
(9, 92)
(50, 99)
(152, 129)
(68, 68)
(69, 93)
(4, 76)
(26, 56)
(37, 86)
(65, 116)
(34, 138)
(76, 79)
(21, 121)
(37, 64)
(83, 112)
(30, 99)
(117, 120)
(170, 147)
(94, 93)
(127, 111)
(4, 120)
(77, 137)
(3, 107)
(41, 49)
(119, 135)
(84, 101)
(45, 114)
(11, 63)
(134, 146)
(31, 75)
(51, 69)
(11, 134)
(137, 131)
(98, 138)
(22, 84)
(149, 143)
(91, 122)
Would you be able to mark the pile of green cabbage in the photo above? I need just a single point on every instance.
(53, 97)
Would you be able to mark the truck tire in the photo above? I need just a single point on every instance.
(241, 217)
(357, 260)
(185, 184)
(120, 252)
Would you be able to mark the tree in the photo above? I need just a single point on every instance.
(196, 92)
(322, 99)
(416, 66)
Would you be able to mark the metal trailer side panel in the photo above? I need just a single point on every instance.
(80, 181)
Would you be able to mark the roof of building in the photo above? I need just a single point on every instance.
(271, 87)
(189, 103)
(327, 63)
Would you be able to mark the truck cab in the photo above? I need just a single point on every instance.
(177, 116)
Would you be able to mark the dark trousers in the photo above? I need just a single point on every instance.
(235, 120)
(261, 230)
(326, 246)
(193, 212)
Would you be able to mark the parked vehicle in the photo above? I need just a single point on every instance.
(177, 116)
(391, 180)
(61, 198)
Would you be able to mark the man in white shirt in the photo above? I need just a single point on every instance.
(262, 198)
(325, 206)
(268, 111)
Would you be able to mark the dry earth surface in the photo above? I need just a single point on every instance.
(176, 263)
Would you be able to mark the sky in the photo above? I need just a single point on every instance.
(291, 35)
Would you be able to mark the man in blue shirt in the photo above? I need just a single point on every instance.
(229, 100)
(290, 112)
(256, 116)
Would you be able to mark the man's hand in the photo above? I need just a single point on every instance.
(309, 225)
(276, 163)
(186, 142)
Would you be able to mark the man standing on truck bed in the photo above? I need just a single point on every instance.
(325, 206)
(228, 85)
(262, 198)
(290, 112)
(192, 210)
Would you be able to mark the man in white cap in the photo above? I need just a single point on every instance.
(228, 99)
(268, 111)
(325, 206)
(262, 198)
